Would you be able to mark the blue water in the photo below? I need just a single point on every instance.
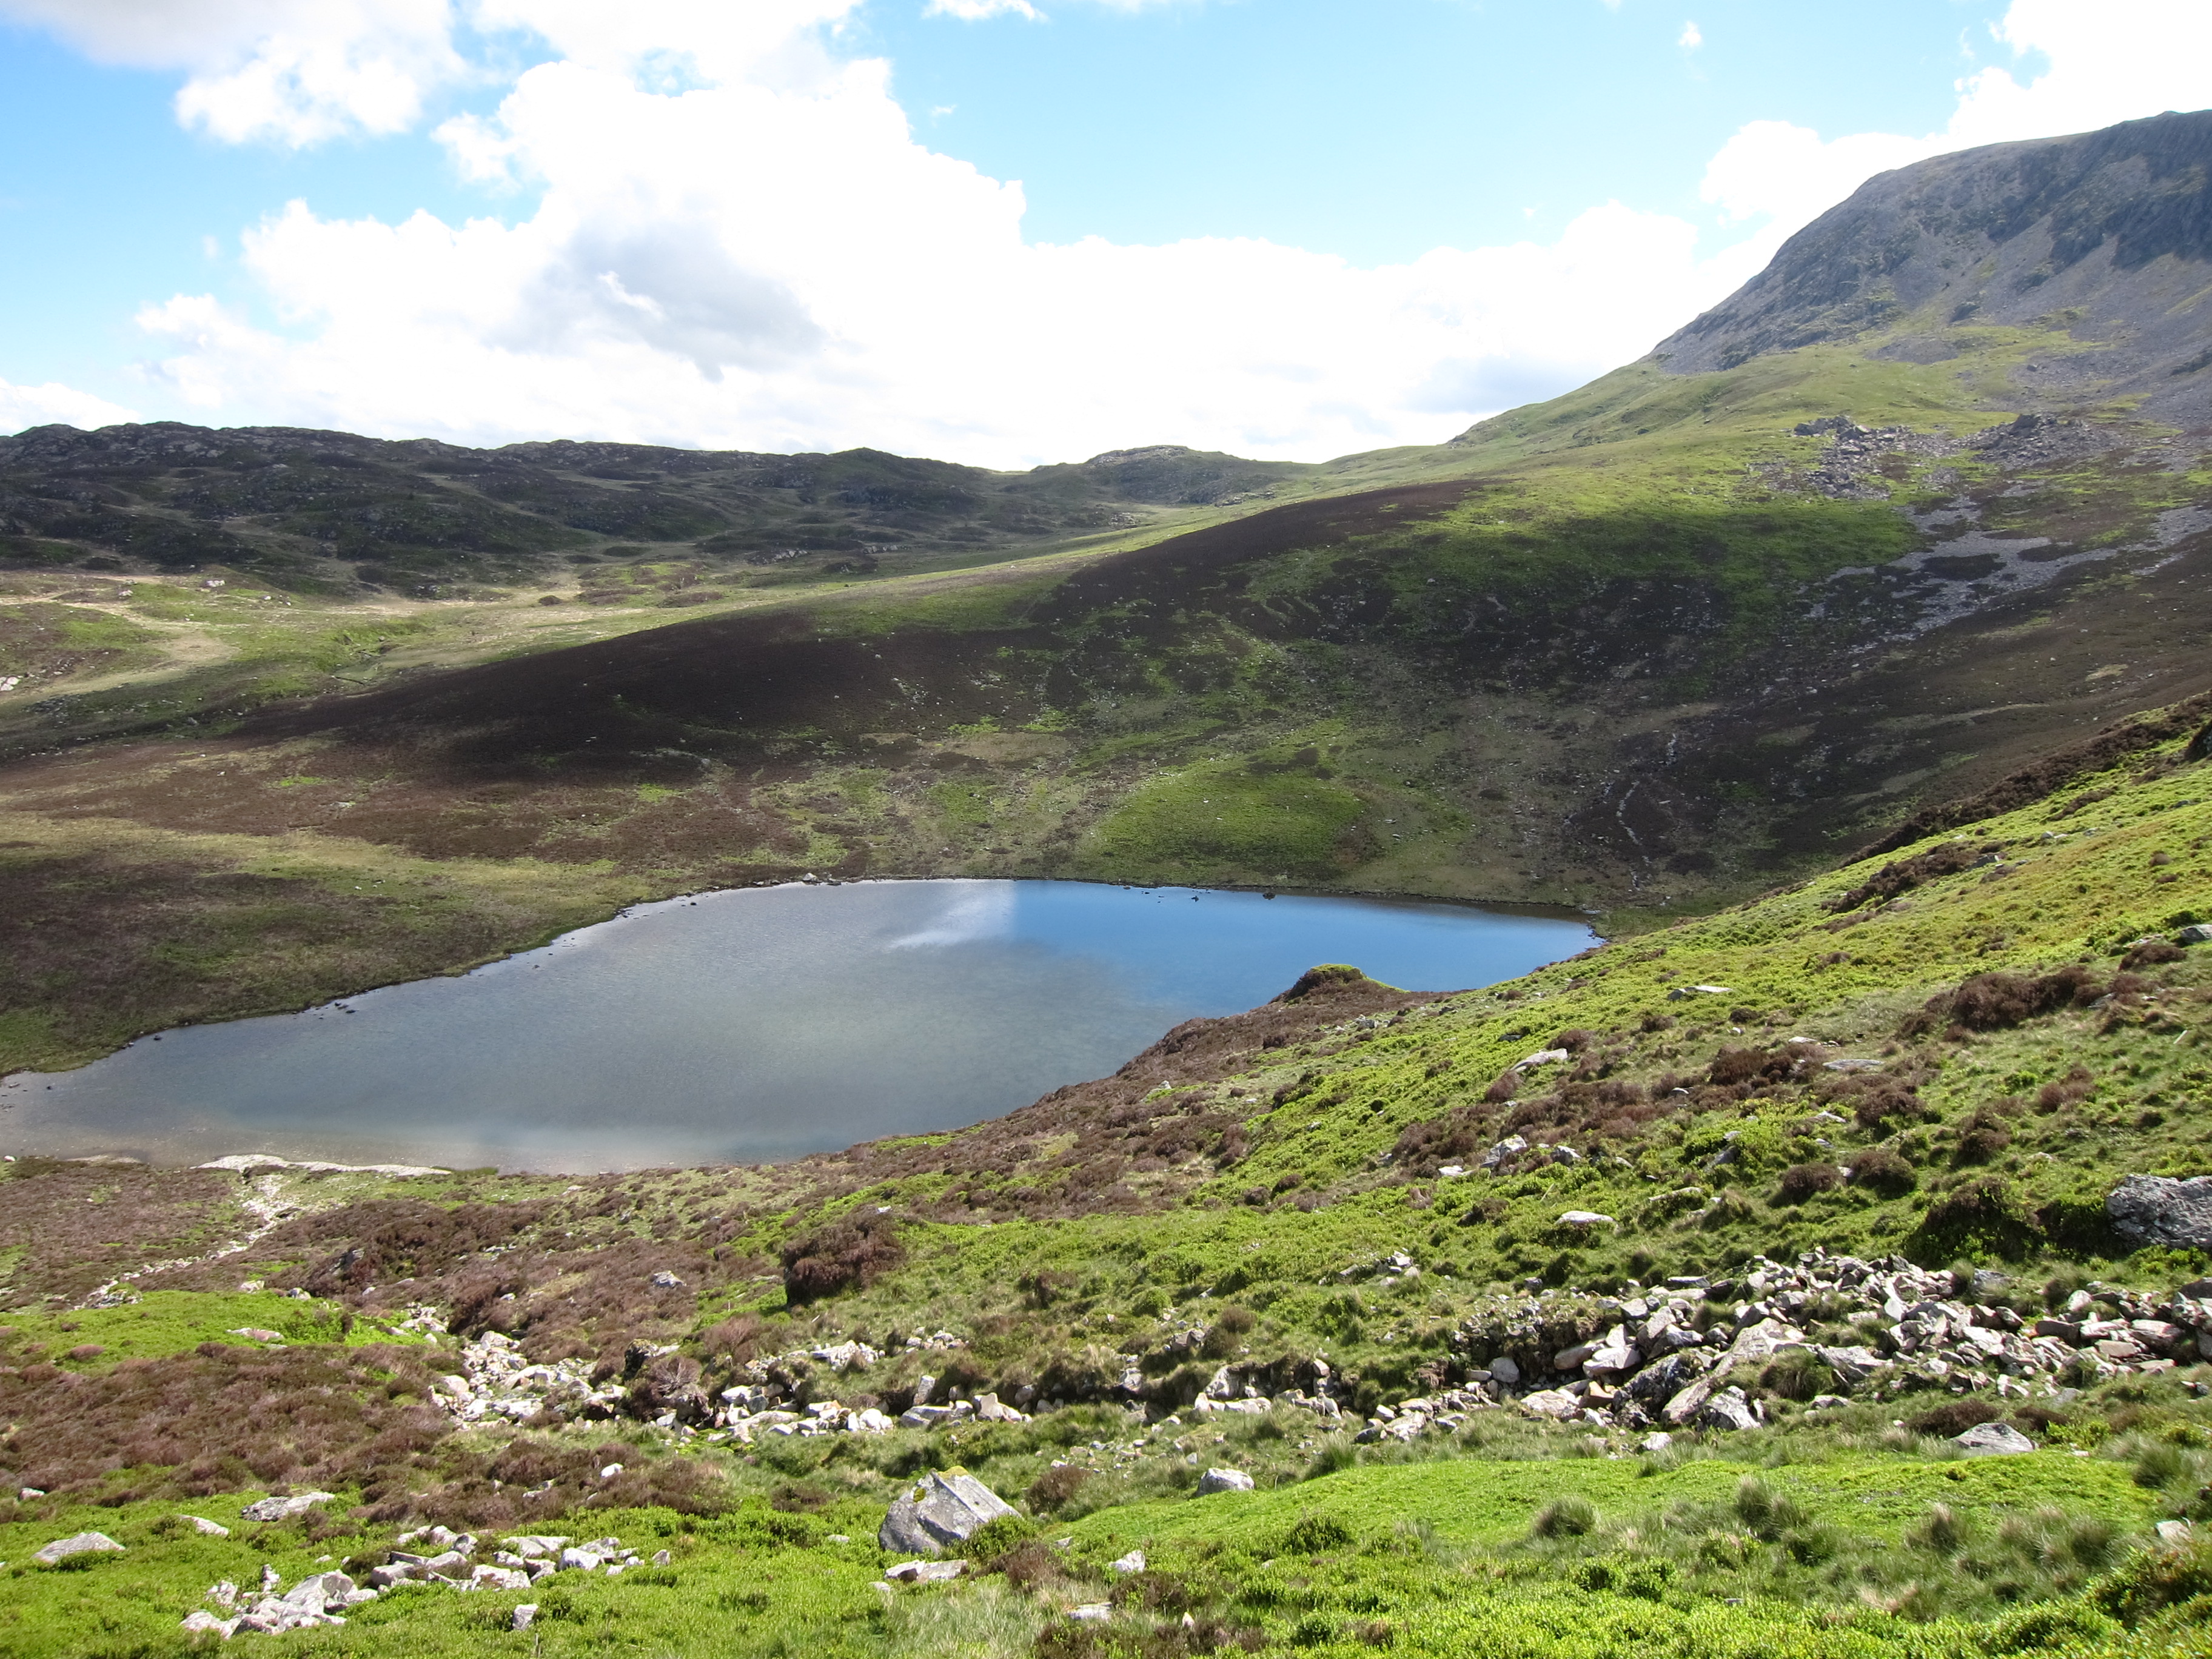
(749, 1026)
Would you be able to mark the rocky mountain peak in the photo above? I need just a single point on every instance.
(2107, 233)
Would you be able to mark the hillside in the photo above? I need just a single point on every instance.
(1643, 1299)
(1890, 523)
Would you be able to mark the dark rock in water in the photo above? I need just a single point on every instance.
(2160, 1210)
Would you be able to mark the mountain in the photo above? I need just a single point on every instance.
(331, 512)
(1818, 1272)
(1713, 621)
(2105, 234)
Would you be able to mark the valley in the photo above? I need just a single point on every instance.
(1820, 1265)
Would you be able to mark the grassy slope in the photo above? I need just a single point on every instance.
(1434, 1547)
(1599, 680)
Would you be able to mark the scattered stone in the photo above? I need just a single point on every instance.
(1586, 1218)
(2175, 1532)
(944, 1509)
(1133, 1562)
(207, 1529)
(1993, 1440)
(1091, 1612)
(1504, 1370)
(1657, 1440)
(83, 1543)
(526, 1614)
(1214, 1480)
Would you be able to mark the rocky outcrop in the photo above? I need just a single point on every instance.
(2160, 1210)
(944, 1510)
(2108, 225)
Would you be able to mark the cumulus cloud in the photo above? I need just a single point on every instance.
(296, 71)
(736, 239)
(2116, 61)
(56, 404)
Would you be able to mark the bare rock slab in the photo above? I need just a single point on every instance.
(2161, 1210)
(944, 1510)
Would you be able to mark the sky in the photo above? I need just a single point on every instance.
(1003, 231)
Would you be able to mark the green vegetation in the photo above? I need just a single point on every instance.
(1240, 1210)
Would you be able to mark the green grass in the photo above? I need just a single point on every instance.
(175, 1321)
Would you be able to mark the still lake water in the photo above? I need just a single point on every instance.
(749, 1026)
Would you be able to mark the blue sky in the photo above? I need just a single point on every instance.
(1285, 227)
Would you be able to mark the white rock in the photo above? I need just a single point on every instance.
(925, 1572)
(1585, 1218)
(81, 1543)
(944, 1509)
(1214, 1480)
(525, 1614)
(1657, 1440)
(1091, 1612)
(283, 1508)
(1993, 1440)
(207, 1529)
(1556, 1404)
(1133, 1562)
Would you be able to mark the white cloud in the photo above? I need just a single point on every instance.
(297, 71)
(973, 11)
(2116, 61)
(1691, 39)
(54, 403)
(737, 240)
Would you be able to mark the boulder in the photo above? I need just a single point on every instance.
(1504, 1370)
(1762, 1340)
(283, 1508)
(1555, 1403)
(1728, 1410)
(1586, 1218)
(1615, 1359)
(1682, 1408)
(1133, 1562)
(1993, 1440)
(1511, 1146)
(1214, 1480)
(2161, 1210)
(944, 1508)
(207, 1529)
(1663, 1379)
(81, 1543)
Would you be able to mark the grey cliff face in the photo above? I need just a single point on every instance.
(2115, 226)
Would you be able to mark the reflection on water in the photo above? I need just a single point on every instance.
(751, 1024)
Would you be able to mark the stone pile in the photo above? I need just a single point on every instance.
(496, 1381)
(1667, 1356)
(763, 1405)
(307, 1604)
(519, 1563)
